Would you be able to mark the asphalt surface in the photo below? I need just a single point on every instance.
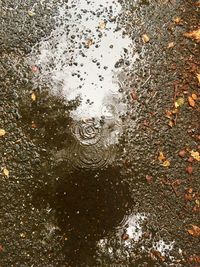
(59, 210)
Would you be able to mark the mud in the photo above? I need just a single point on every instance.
(85, 186)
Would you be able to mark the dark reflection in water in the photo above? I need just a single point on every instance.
(87, 204)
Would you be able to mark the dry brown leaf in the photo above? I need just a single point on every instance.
(6, 172)
(193, 35)
(166, 163)
(194, 231)
(33, 96)
(191, 101)
(145, 38)
(195, 155)
(170, 45)
(161, 156)
(2, 132)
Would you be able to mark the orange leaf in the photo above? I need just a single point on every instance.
(194, 231)
(193, 35)
(191, 101)
(161, 156)
(194, 97)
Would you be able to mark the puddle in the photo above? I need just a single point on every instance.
(83, 58)
(81, 65)
(87, 205)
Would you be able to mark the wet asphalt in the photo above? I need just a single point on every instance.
(66, 203)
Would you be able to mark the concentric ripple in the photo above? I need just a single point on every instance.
(95, 156)
(87, 132)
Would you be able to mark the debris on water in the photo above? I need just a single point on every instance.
(145, 38)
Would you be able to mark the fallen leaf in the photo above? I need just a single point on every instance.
(33, 96)
(194, 97)
(195, 259)
(145, 38)
(198, 77)
(195, 155)
(89, 42)
(182, 153)
(193, 35)
(2, 132)
(189, 169)
(149, 178)
(190, 159)
(194, 231)
(31, 13)
(161, 156)
(177, 20)
(34, 69)
(102, 25)
(171, 123)
(166, 163)
(134, 95)
(191, 101)
(179, 102)
(168, 114)
(170, 45)
(6, 172)
(197, 4)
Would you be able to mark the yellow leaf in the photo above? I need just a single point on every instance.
(31, 13)
(161, 156)
(145, 38)
(6, 172)
(198, 77)
(179, 102)
(166, 163)
(102, 25)
(2, 132)
(170, 45)
(195, 155)
(193, 35)
(33, 96)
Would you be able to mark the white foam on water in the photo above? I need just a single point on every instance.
(85, 34)
(132, 226)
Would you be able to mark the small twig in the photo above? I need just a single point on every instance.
(146, 81)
